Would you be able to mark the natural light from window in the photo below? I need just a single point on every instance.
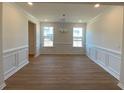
(48, 36)
(77, 36)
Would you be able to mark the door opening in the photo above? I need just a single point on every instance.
(32, 38)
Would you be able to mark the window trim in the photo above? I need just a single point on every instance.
(44, 38)
(78, 40)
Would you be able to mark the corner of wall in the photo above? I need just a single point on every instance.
(121, 85)
(2, 86)
(2, 83)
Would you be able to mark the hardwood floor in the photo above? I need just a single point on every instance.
(65, 72)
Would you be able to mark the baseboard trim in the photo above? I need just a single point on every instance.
(2, 86)
(15, 70)
(116, 75)
(121, 85)
(37, 55)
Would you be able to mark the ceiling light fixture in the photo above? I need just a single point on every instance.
(80, 21)
(45, 20)
(97, 5)
(62, 23)
(30, 3)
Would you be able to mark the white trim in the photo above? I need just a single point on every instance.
(106, 49)
(2, 86)
(25, 13)
(13, 71)
(17, 61)
(37, 55)
(116, 75)
(14, 49)
(104, 60)
(94, 19)
(121, 85)
(108, 8)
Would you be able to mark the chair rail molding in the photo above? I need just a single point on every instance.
(14, 59)
(108, 59)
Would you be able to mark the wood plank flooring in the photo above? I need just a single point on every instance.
(65, 72)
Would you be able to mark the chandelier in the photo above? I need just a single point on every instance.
(62, 24)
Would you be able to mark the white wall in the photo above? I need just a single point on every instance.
(2, 84)
(63, 41)
(18, 29)
(15, 38)
(37, 47)
(121, 83)
(106, 30)
(15, 28)
(104, 39)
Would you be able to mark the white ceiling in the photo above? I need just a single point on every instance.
(53, 11)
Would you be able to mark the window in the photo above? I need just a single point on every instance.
(48, 36)
(77, 36)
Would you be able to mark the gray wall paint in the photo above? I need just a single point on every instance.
(15, 27)
(1, 63)
(106, 29)
(122, 63)
(63, 41)
(18, 29)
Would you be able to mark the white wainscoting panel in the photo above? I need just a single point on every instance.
(114, 63)
(13, 60)
(101, 57)
(108, 59)
(2, 86)
(9, 62)
(121, 85)
(22, 56)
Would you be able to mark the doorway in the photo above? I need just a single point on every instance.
(32, 38)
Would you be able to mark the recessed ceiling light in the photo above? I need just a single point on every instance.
(80, 21)
(30, 3)
(97, 5)
(45, 20)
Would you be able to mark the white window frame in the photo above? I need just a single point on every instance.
(80, 37)
(45, 36)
